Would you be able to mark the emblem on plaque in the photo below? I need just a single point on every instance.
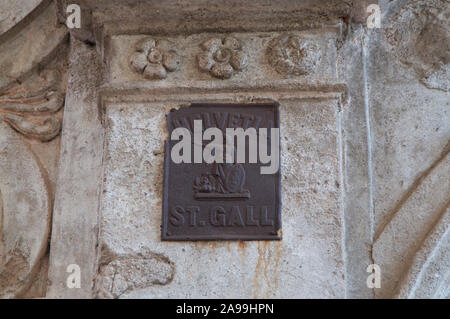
(223, 181)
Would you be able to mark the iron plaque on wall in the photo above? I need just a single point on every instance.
(221, 201)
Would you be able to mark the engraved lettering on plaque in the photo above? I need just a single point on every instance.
(219, 186)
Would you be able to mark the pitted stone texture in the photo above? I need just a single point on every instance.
(403, 236)
(222, 57)
(154, 58)
(409, 133)
(177, 17)
(308, 261)
(293, 55)
(439, 79)
(358, 237)
(75, 220)
(428, 276)
(409, 139)
(32, 46)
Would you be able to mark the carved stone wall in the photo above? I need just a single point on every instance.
(364, 119)
(33, 81)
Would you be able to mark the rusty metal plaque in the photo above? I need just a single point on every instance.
(222, 200)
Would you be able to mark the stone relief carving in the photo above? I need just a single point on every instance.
(411, 238)
(290, 54)
(25, 209)
(154, 58)
(222, 57)
(422, 43)
(428, 274)
(34, 108)
(32, 94)
(412, 245)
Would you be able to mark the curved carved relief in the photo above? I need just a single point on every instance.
(33, 108)
(429, 273)
(401, 240)
(222, 57)
(32, 94)
(418, 36)
(154, 58)
(26, 210)
(289, 54)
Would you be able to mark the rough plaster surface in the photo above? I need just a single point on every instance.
(34, 45)
(357, 188)
(410, 136)
(33, 80)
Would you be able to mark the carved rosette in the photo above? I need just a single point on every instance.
(222, 57)
(292, 55)
(154, 59)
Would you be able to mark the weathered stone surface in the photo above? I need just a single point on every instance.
(402, 237)
(311, 214)
(357, 180)
(428, 275)
(119, 275)
(32, 90)
(419, 35)
(25, 209)
(364, 138)
(34, 108)
(75, 221)
(409, 137)
(11, 13)
(32, 46)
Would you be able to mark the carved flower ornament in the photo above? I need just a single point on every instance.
(154, 58)
(290, 54)
(222, 57)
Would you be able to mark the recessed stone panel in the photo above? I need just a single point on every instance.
(307, 262)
